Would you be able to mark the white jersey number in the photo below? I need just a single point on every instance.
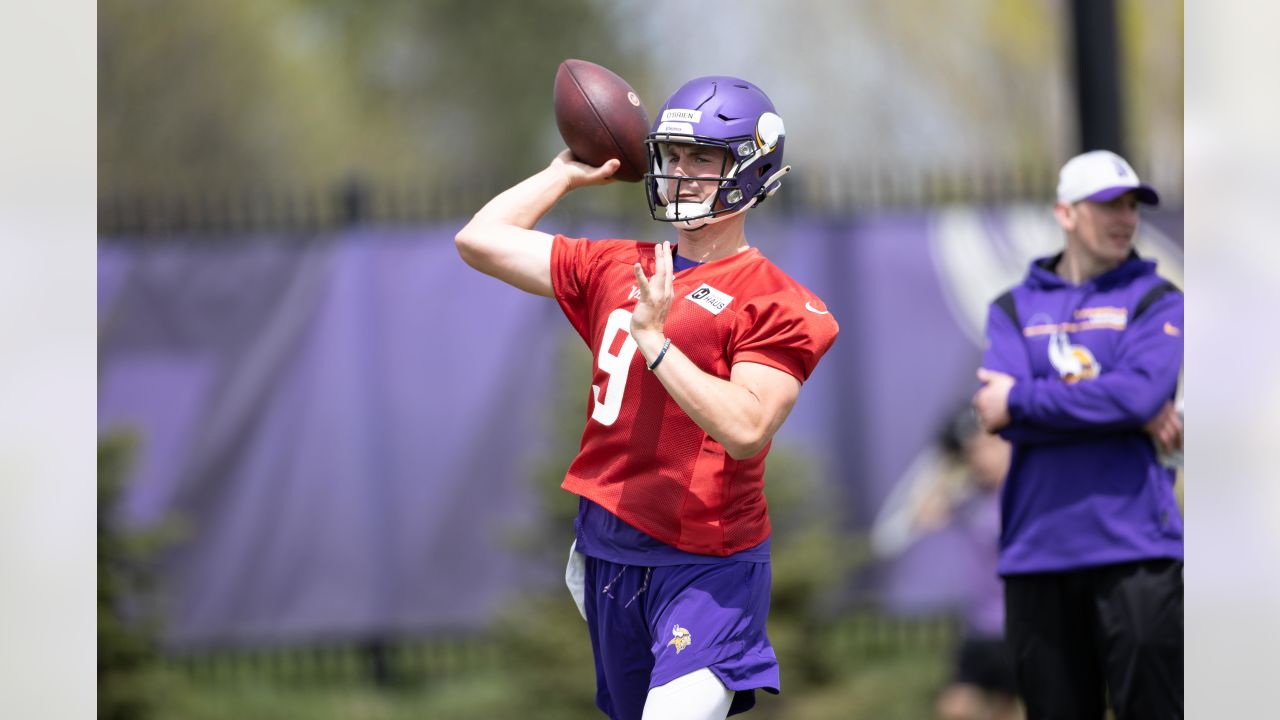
(616, 366)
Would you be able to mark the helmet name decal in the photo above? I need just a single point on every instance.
(677, 128)
(710, 298)
(679, 114)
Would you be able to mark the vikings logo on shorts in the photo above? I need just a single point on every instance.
(1073, 362)
(681, 639)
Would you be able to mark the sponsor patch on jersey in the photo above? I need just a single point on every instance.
(681, 115)
(710, 298)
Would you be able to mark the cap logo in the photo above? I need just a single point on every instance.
(1121, 170)
(682, 115)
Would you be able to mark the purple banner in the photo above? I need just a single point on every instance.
(349, 423)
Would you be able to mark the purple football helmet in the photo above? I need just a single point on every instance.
(722, 112)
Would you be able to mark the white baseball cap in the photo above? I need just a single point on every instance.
(1101, 175)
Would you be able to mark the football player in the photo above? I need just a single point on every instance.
(700, 349)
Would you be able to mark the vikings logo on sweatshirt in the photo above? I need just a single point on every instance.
(1073, 362)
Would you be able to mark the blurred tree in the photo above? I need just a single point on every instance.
(454, 94)
(203, 93)
(241, 93)
(896, 90)
(1151, 41)
(130, 684)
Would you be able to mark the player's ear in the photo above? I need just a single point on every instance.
(1066, 215)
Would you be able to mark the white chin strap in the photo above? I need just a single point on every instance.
(705, 220)
(688, 210)
(676, 211)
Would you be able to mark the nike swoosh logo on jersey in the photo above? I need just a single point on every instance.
(808, 306)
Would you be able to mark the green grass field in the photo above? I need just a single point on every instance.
(860, 667)
(899, 685)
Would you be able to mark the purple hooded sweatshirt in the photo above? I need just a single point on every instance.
(1093, 363)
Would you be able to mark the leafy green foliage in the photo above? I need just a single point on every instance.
(245, 94)
(129, 682)
(812, 561)
(546, 673)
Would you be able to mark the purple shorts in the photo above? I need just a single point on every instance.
(651, 625)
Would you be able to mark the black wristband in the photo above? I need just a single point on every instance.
(665, 346)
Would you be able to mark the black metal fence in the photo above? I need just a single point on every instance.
(410, 661)
(351, 200)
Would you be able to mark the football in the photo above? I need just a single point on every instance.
(601, 117)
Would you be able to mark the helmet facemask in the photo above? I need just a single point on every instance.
(678, 198)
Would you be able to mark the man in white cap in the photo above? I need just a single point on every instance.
(1080, 372)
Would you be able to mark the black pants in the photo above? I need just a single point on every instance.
(1078, 635)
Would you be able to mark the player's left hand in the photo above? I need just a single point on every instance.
(656, 295)
(991, 402)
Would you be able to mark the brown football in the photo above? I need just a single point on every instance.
(601, 117)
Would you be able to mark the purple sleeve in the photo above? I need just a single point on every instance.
(1125, 396)
(1007, 353)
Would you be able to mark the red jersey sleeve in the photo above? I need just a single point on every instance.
(572, 261)
(785, 330)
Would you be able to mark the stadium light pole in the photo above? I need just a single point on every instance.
(1097, 70)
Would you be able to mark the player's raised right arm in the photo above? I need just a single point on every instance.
(500, 239)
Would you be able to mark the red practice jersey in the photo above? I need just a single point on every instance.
(642, 458)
